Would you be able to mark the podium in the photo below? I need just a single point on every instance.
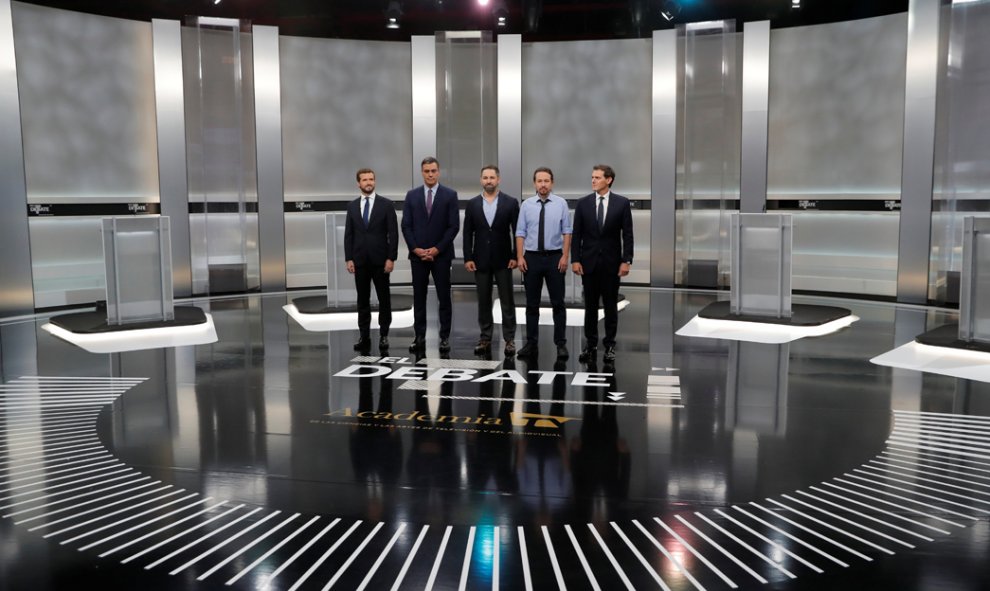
(759, 308)
(337, 308)
(973, 330)
(139, 312)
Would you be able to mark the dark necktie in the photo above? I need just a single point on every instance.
(543, 218)
(429, 201)
(601, 212)
(365, 215)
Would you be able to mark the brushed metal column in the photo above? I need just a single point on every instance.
(423, 58)
(914, 244)
(663, 184)
(268, 137)
(755, 105)
(510, 113)
(170, 119)
(16, 284)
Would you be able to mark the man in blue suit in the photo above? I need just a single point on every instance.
(371, 244)
(490, 253)
(430, 221)
(602, 252)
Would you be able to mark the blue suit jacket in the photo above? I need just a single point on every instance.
(436, 229)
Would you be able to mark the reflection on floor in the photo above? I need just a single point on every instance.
(279, 458)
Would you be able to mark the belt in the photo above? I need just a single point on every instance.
(544, 253)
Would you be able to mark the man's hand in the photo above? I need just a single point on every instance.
(512, 263)
(521, 264)
(562, 264)
(389, 265)
(577, 268)
(423, 254)
(433, 252)
(470, 266)
(350, 266)
(624, 269)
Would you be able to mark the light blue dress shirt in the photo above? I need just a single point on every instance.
(489, 209)
(556, 223)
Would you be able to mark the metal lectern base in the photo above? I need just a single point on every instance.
(801, 315)
(95, 322)
(947, 335)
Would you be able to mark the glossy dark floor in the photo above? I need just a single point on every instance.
(265, 460)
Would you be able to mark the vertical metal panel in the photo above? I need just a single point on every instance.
(509, 81)
(170, 116)
(663, 184)
(755, 104)
(919, 151)
(423, 58)
(16, 288)
(268, 137)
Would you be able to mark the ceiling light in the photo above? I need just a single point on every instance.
(393, 14)
(501, 13)
(215, 2)
(483, 2)
(795, 3)
(670, 10)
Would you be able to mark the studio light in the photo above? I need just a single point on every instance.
(483, 2)
(501, 13)
(670, 10)
(795, 3)
(393, 15)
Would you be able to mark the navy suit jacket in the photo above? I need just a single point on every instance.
(376, 243)
(608, 247)
(436, 229)
(491, 247)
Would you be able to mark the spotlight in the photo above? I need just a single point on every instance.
(215, 2)
(795, 3)
(670, 10)
(501, 13)
(392, 15)
(483, 2)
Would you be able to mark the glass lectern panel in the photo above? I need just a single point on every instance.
(974, 302)
(340, 283)
(137, 252)
(761, 269)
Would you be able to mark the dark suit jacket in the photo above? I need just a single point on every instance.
(376, 243)
(608, 247)
(491, 248)
(437, 229)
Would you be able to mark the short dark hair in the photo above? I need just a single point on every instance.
(491, 167)
(607, 172)
(361, 171)
(429, 160)
(545, 169)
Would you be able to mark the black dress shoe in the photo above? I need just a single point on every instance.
(417, 345)
(528, 351)
(510, 348)
(363, 344)
(383, 344)
(609, 356)
(562, 353)
(444, 346)
(588, 354)
(483, 346)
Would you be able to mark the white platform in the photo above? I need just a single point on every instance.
(758, 332)
(344, 320)
(139, 339)
(947, 361)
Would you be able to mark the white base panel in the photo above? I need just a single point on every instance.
(758, 332)
(139, 339)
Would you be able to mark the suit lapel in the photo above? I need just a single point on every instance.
(610, 213)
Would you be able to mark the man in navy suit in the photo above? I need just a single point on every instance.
(602, 252)
(430, 221)
(371, 244)
(490, 253)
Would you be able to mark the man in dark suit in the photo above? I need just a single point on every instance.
(602, 253)
(430, 221)
(371, 243)
(490, 253)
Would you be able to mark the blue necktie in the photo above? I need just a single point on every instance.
(365, 215)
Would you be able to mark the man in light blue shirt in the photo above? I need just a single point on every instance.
(543, 243)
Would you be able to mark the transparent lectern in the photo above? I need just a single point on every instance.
(138, 255)
(974, 284)
(761, 264)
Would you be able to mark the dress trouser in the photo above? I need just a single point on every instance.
(601, 285)
(364, 275)
(543, 268)
(483, 283)
(421, 272)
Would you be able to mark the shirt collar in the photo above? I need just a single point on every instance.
(371, 196)
(606, 196)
